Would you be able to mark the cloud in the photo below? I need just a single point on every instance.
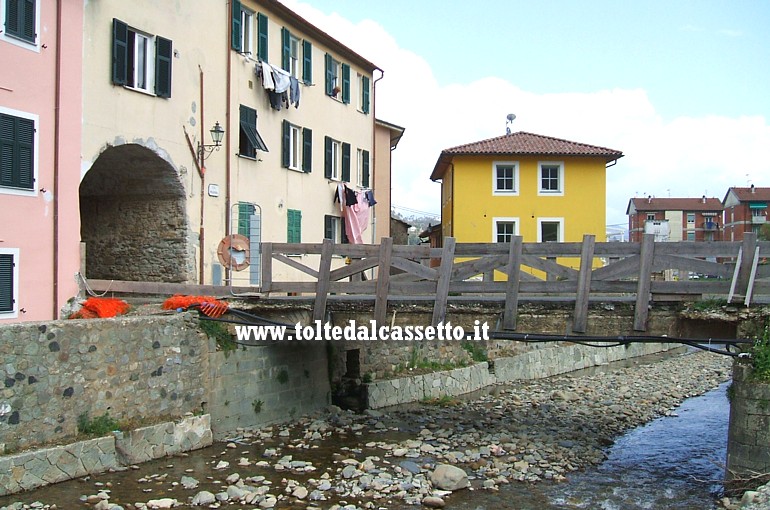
(681, 157)
(730, 33)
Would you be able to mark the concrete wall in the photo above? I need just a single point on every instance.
(748, 439)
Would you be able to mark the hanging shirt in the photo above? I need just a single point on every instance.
(267, 76)
(294, 92)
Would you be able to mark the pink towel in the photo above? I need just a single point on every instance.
(357, 219)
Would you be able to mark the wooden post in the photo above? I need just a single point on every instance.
(267, 266)
(383, 281)
(512, 285)
(444, 276)
(749, 246)
(644, 283)
(580, 319)
(322, 287)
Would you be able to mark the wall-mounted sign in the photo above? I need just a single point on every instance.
(213, 190)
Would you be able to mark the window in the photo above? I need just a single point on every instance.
(297, 147)
(551, 179)
(9, 283)
(690, 218)
(293, 226)
(243, 31)
(20, 21)
(249, 141)
(504, 229)
(337, 79)
(290, 53)
(362, 168)
(336, 160)
(650, 216)
(141, 61)
(691, 236)
(246, 35)
(550, 230)
(363, 86)
(18, 152)
(505, 177)
(334, 229)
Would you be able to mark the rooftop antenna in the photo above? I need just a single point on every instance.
(510, 118)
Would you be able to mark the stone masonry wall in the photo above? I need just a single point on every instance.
(748, 437)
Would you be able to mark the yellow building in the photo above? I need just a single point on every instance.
(539, 187)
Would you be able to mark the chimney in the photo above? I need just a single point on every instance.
(649, 199)
(752, 189)
(703, 199)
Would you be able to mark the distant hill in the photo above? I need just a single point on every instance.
(419, 222)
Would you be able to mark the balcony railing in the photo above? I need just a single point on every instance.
(758, 220)
(710, 226)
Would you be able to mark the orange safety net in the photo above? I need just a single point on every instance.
(97, 307)
(208, 305)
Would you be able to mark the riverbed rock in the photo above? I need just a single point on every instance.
(450, 478)
(433, 502)
(203, 498)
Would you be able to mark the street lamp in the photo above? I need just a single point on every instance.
(205, 150)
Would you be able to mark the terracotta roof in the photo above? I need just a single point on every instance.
(675, 204)
(522, 144)
(747, 195)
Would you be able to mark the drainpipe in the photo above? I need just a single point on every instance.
(201, 234)
(374, 154)
(57, 147)
(228, 133)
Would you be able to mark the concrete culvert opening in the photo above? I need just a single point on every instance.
(133, 218)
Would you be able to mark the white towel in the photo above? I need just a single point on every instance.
(267, 76)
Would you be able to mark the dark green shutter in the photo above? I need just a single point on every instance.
(328, 157)
(365, 94)
(307, 150)
(17, 149)
(237, 32)
(285, 143)
(20, 19)
(245, 211)
(329, 75)
(285, 49)
(262, 37)
(345, 162)
(293, 226)
(345, 83)
(307, 62)
(163, 52)
(365, 169)
(328, 227)
(343, 232)
(28, 20)
(119, 52)
(6, 282)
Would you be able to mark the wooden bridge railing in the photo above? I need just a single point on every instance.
(534, 271)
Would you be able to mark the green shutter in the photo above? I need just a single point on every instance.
(328, 157)
(365, 94)
(28, 21)
(285, 143)
(262, 37)
(307, 150)
(345, 83)
(294, 226)
(328, 227)
(285, 49)
(365, 169)
(245, 210)
(329, 75)
(119, 52)
(20, 19)
(6, 282)
(163, 52)
(307, 62)
(237, 35)
(17, 150)
(345, 162)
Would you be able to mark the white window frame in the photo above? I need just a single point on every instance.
(35, 154)
(295, 61)
(336, 160)
(360, 168)
(15, 40)
(13, 314)
(337, 229)
(247, 31)
(560, 221)
(545, 192)
(504, 219)
(504, 192)
(149, 68)
(295, 148)
(650, 216)
(337, 78)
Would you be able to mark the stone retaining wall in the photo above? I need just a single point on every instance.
(748, 438)
(26, 471)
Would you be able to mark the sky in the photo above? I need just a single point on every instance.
(681, 87)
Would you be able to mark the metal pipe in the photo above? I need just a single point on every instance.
(201, 232)
(57, 147)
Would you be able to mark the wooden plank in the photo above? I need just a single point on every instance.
(551, 267)
(619, 269)
(297, 248)
(267, 266)
(467, 268)
(641, 310)
(736, 272)
(663, 262)
(444, 278)
(408, 251)
(296, 265)
(413, 268)
(322, 286)
(750, 286)
(355, 267)
(513, 271)
(166, 288)
(698, 249)
(383, 281)
(580, 318)
(749, 246)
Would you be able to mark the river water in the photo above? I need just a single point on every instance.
(674, 462)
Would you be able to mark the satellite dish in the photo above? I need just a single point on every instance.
(511, 117)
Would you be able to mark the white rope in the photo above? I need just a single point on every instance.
(88, 288)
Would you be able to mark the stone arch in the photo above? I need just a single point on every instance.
(133, 218)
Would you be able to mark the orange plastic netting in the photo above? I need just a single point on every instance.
(96, 307)
(208, 305)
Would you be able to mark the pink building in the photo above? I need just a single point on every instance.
(40, 137)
